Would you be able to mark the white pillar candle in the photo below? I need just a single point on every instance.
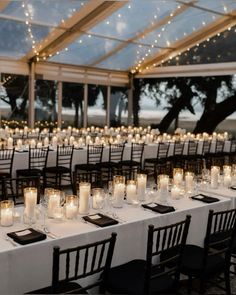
(175, 192)
(215, 171)
(178, 176)
(130, 137)
(80, 141)
(227, 180)
(54, 142)
(39, 144)
(32, 143)
(98, 198)
(25, 130)
(10, 143)
(131, 194)
(30, 195)
(163, 184)
(118, 195)
(72, 139)
(46, 141)
(84, 194)
(6, 217)
(189, 181)
(19, 144)
(88, 138)
(118, 137)
(53, 203)
(7, 213)
(141, 186)
(137, 137)
(71, 211)
(97, 140)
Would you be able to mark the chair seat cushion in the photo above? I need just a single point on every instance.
(108, 164)
(62, 288)
(29, 172)
(129, 163)
(192, 262)
(57, 169)
(4, 175)
(87, 167)
(128, 278)
(151, 160)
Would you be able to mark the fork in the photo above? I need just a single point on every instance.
(49, 233)
(6, 238)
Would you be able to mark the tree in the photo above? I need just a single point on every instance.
(214, 112)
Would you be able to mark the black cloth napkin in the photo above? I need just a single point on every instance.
(204, 198)
(27, 236)
(100, 220)
(159, 208)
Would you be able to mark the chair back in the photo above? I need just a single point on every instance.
(38, 157)
(163, 150)
(192, 148)
(94, 154)
(220, 145)
(116, 151)
(64, 155)
(6, 161)
(137, 152)
(93, 177)
(232, 146)
(221, 228)
(13, 188)
(178, 148)
(206, 147)
(83, 261)
(164, 251)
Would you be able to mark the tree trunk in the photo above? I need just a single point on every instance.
(179, 104)
(212, 117)
(136, 98)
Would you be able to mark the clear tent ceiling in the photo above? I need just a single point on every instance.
(114, 35)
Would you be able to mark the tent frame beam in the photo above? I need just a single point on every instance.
(195, 38)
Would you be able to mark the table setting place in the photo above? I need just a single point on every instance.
(99, 207)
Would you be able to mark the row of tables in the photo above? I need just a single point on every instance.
(80, 155)
(29, 267)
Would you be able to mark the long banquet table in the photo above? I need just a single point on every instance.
(80, 155)
(28, 267)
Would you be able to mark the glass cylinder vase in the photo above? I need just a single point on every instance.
(30, 200)
(7, 213)
(118, 190)
(84, 194)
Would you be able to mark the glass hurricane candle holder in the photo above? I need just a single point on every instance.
(98, 198)
(189, 182)
(131, 192)
(30, 200)
(178, 176)
(175, 192)
(84, 194)
(7, 212)
(163, 184)
(118, 190)
(141, 186)
(71, 206)
(54, 201)
(227, 175)
(215, 173)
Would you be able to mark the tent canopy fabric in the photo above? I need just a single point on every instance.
(130, 36)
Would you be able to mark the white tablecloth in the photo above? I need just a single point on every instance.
(28, 267)
(80, 156)
(222, 191)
